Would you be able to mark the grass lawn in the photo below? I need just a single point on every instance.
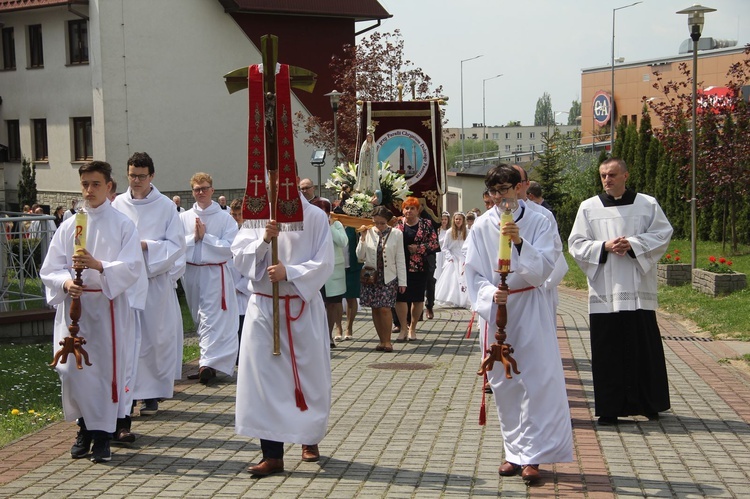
(30, 389)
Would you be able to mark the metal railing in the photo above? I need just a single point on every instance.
(24, 240)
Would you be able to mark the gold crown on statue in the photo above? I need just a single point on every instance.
(371, 129)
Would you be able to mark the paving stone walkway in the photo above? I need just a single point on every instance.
(405, 424)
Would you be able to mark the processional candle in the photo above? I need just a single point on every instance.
(503, 252)
(79, 238)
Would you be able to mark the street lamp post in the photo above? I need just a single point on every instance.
(335, 97)
(484, 119)
(612, 69)
(695, 23)
(462, 105)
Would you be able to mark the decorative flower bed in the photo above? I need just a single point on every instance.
(673, 274)
(714, 284)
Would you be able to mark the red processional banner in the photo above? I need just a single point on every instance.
(409, 136)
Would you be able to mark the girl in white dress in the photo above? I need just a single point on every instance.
(450, 289)
(445, 227)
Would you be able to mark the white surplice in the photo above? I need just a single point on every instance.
(266, 405)
(208, 282)
(160, 227)
(532, 406)
(623, 283)
(113, 239)
(561, 266)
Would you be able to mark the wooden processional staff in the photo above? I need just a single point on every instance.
(74, 343)
(501, 351)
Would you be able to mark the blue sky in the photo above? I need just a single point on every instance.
(540, 45)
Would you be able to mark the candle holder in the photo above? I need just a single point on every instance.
(73, 343)
(501, 351)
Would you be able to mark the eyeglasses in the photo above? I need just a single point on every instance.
(499, 191)
(201, 190)
(141, 178)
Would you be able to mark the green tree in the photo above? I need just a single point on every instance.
(368, 71)
(544, 115)
(27, 183)
(513, 123)
(575, 112)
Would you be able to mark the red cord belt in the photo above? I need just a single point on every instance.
(298, 395)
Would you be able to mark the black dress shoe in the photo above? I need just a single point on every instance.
(608, 420)
(654, 416)
(267, 467)
(206, 374)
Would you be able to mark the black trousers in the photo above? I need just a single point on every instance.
(272, 449)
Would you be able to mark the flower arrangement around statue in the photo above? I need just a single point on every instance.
(719, 265)
(393, 187)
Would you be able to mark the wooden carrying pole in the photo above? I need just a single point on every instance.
(269, 49)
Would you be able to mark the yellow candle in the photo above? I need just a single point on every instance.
(503, 252)
(79, 238)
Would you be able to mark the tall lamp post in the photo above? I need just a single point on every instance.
(612, 69)
(695, 23)
(463, 159)
(335, 97)
(484, 119)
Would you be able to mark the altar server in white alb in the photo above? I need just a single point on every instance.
(532, 406)
(617, 239)
(162, 243)
(208, 283)
(114, 263)
(285, 398)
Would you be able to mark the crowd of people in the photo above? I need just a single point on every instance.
(269, 303)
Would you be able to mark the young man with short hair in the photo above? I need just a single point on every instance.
(113, 264)
(163, 244)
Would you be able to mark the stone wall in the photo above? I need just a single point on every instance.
(714, 284)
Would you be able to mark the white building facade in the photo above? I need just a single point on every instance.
(121, 76)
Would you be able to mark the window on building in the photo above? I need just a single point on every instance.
(507, 148)
(36, 51)
(544, 135)
(507, 135)
(83, 149)
(532, 147)
(78, 42)
(39, 129)
(634, 118)
(532, 136)
(9, 49)
(14, 140)
(519, 148)
(495, 136)
(519, 135)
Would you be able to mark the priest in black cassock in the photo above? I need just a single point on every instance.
(617, 239)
